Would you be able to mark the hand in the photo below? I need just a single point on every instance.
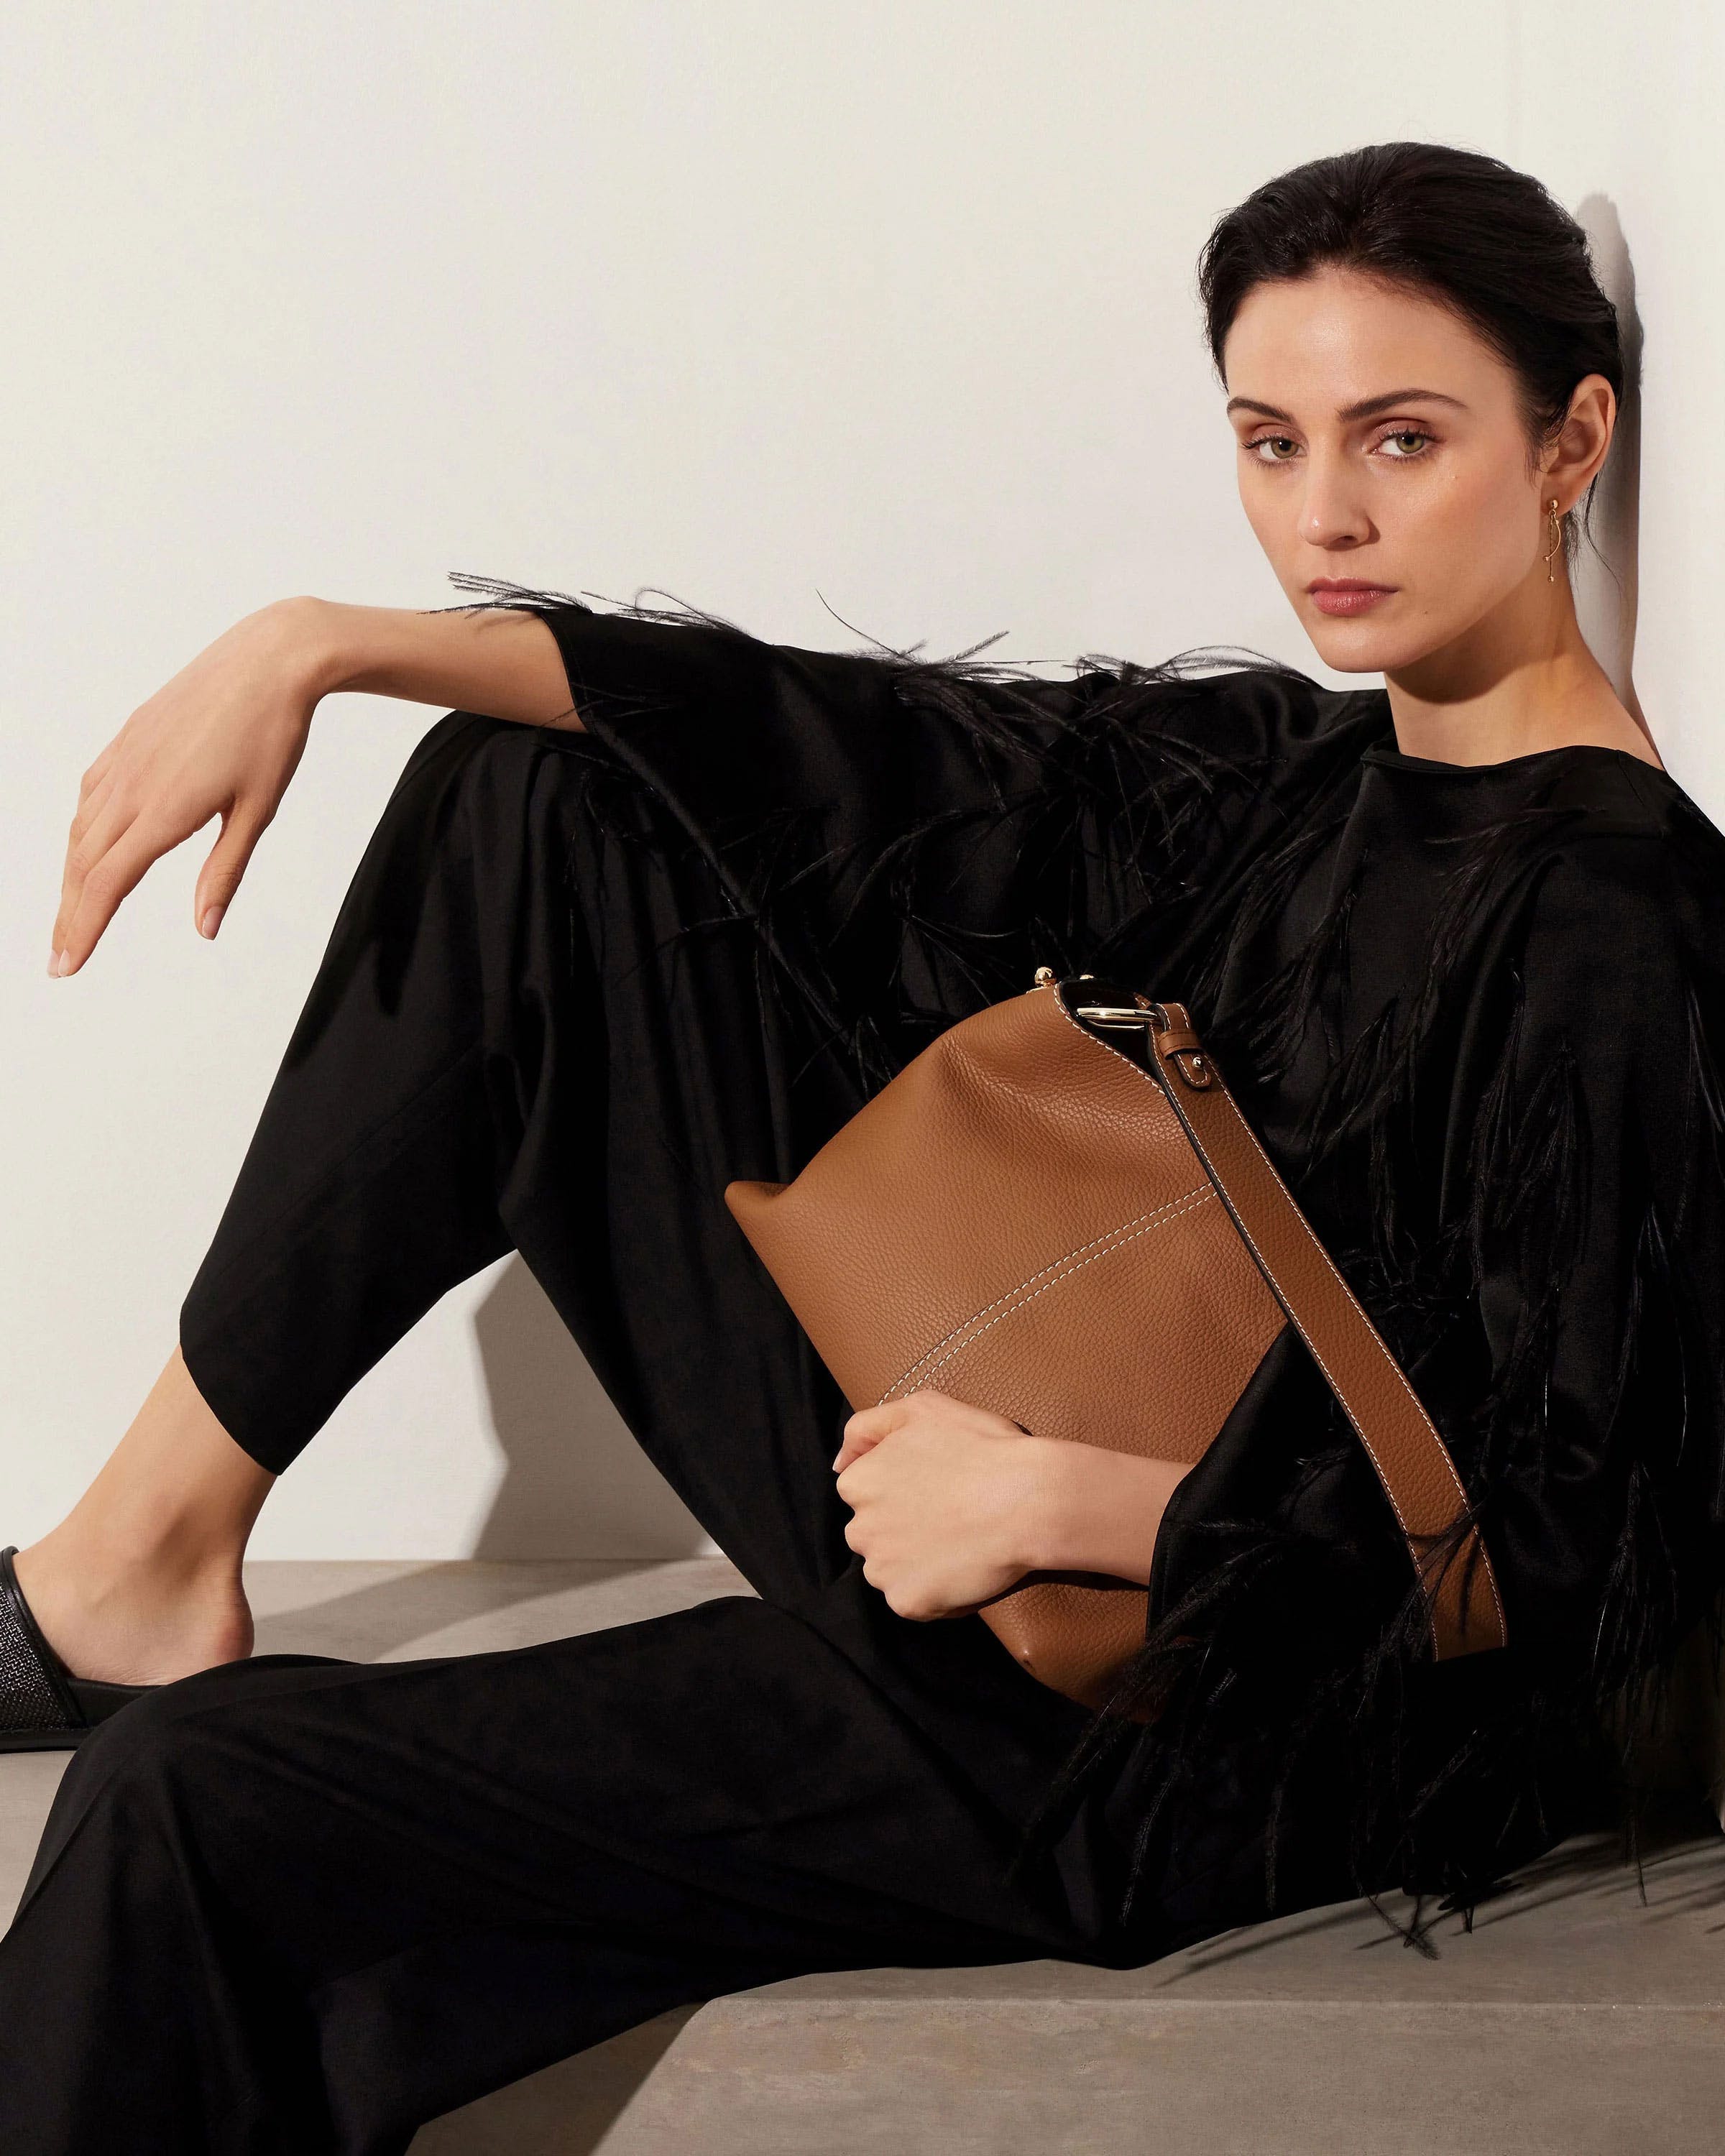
(223, 738)
(954, 1504)
(947, 1500)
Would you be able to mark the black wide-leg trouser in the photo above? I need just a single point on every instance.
(304, 1905)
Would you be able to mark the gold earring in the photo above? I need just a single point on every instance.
(1557, 541)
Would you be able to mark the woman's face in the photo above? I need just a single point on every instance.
(1380, 443)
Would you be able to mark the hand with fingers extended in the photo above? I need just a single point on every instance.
(952, 1505)
(227, 733)
(222, 739)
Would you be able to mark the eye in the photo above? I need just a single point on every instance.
(1406, 435)
(1271, 441)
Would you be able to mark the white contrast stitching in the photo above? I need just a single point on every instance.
(1053, 1266)
(1193, 1199)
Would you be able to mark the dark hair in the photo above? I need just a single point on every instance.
(1452, 225)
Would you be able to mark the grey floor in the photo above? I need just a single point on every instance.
(1574, 2021)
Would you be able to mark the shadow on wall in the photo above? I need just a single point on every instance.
(575, 1482)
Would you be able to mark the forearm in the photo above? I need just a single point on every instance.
(1099, 1512)
(499, 662)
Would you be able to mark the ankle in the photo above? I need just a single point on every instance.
(141, 1582)
(144, 1617)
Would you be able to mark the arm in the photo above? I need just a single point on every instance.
(1600, 1227)
(954, 1504)
(504, 664)
(224, 736)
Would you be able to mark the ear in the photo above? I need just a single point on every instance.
(1581, 442)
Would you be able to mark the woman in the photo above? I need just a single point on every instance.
(661, 905)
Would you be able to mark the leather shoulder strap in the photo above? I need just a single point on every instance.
(1412, 1460)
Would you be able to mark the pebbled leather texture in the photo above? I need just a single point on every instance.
(1023, 1219)
(1018, 1220)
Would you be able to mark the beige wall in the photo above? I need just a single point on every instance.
(782, 308)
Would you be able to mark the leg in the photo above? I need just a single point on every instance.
(139, 1584)
(533, 1026)
(291, 1904)
(296, 1905)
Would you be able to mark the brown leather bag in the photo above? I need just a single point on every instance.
(1056, 1211)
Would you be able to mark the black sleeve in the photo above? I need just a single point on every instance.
(913, 837)
(1571, 1306)
(1600, 1441)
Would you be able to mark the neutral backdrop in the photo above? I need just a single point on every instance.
(840, 321)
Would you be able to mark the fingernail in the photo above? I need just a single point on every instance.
(64, 966)
(212, 920)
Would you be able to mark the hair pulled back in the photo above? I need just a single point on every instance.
(1452, 225)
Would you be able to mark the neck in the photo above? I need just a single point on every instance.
(1520, 680)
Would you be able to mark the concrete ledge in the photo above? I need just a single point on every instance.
(1574, 2021)
(962, 2077)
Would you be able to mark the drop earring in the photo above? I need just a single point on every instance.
(1557, 541)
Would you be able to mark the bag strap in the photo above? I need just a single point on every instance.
(1412, 1460)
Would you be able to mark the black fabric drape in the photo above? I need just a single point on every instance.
(297, 1905)
(581, 981)
(1476, 1013)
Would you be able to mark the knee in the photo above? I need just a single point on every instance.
(122, 1799)
(146, 1743)
(181, 1737)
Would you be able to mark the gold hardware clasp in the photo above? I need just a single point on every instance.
(1111, 1014)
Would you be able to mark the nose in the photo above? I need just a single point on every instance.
(1332, 513)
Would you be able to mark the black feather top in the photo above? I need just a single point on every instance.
(1477, 1016)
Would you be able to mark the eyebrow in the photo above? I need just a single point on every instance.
(1367, 408)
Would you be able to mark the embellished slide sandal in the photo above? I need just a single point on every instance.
(42, 1707)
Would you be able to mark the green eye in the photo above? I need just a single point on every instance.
(1407, 434)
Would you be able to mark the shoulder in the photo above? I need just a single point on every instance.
(1624, 935)
(1262, 720)
(1624, 843)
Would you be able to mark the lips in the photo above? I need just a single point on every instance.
(1347, 595)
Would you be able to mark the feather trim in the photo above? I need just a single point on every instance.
(1285, 1645)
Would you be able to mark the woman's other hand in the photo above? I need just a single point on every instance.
(223, 738)
(952, 1505)
(226, 734)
